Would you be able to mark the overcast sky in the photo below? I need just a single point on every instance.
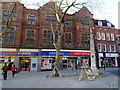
(108, 9)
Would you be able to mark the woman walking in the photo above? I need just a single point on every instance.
(14, 71)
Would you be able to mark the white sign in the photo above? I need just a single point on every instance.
(111, 54)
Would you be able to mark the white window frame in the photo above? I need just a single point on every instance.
(103, 46)
(113, 49)
(99, 48)
(103, 36)
(98, 36)
(100, 23)
(108, 36)
(112, 37)
(109, 48)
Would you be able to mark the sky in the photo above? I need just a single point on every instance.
(108, 9)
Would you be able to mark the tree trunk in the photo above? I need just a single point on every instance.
(57, 57)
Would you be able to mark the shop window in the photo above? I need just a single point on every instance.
(31, 20)
(47, 63)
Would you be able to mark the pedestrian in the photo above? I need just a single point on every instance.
(5, 69)
(14, 71)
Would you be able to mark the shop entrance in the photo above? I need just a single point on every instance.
(25, 64)
(68, 63)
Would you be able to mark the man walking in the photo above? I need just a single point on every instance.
(5, 69)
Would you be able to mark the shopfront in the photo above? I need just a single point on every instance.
(110, 60)
(67, 58)
(22, 60)
(43, 59)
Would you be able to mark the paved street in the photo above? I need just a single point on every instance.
(39, 80)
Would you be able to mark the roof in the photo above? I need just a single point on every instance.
(104, 22)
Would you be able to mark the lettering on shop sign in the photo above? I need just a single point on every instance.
(53, 53)
(19, 53)
(79, 53)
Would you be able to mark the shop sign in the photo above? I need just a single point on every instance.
(111, 55)
(79, 53)
(10, 54)
(53, 53)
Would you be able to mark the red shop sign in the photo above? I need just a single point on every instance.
(79, 53)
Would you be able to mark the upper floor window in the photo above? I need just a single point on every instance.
(108, 36)
(103, 36)
(50, 37)
(51, 20)
(68, 24)
(31, 20)
(109, 48)
(85, 37)
(99, 48)
(113, 48)
(109, 24)
(98, 36)
(84, 24)
(8, 37)
(68, 38)
(6, 14)
(104, 47)
(30, 36)
(118, 39)
(100, 23)
(112, 37)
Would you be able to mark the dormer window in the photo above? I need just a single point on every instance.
(109, 24)
(100, 23)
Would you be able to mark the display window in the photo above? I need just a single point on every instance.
(47, 63)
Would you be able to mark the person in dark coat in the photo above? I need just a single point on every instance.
(5, 69)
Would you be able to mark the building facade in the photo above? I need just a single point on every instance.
(28, 42)
(106, 43)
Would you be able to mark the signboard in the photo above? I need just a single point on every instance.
(12, 54)
(53, 53)
(111, 54)
(79, 53)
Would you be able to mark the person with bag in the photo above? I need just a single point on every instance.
(5, 69)
(14, 71)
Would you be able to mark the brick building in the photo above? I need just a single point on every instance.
(28, 43)
(106, 43)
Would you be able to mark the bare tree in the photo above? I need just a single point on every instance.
(9, 18)
(60, 9)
